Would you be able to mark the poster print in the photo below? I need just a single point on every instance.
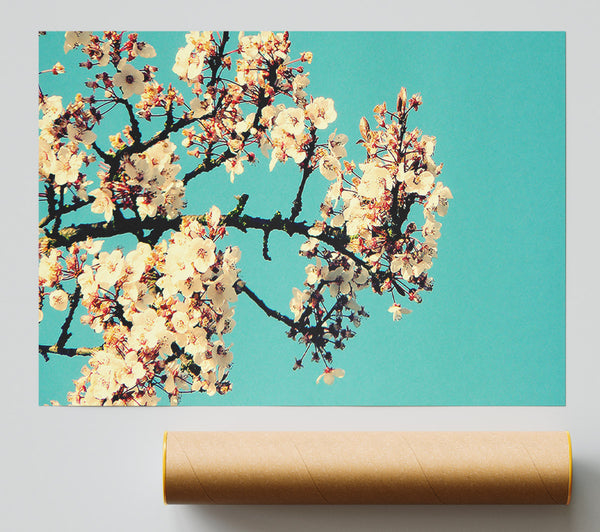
(256, 218)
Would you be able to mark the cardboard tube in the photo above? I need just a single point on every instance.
(367, 468)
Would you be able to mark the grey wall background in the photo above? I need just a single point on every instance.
(91, 469)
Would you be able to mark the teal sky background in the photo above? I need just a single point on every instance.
(492, 332)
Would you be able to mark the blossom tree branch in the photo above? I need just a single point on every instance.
(64, 330)
(67, 351)
(243, 288)
(164, 307)
(306, 171)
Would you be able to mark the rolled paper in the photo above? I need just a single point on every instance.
(367, 467)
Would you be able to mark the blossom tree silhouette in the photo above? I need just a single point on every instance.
(163, 308)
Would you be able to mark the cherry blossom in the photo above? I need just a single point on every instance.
(330, 374)
(397, 311)
(143, 49)
(81, 134)
(66, 166)
(76, 38)
(59, 300)
(130, 79)
(321, 112)
(103, 202)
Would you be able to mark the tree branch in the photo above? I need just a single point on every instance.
(75, 233)
(44, 350)
(307, 170)
(58, 212)
(50, 199)
(66, 209)
(395, 214)
(136, 134)
(215, 62)
(207, 165)
(65, 334)
(103, 155)
(242, 287)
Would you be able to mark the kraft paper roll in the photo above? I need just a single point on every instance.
(367, 468)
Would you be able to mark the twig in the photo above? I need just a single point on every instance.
(66, 209)
(242, 287)
(65, 334)
(136, 134)
(67, 351)
(58, 213)
(307, 170)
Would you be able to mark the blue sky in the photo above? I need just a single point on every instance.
(492, 332)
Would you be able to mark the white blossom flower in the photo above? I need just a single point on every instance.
(231, 257)
(104, 57)
(213, 217)
(91, 246)
(330, 167)
(180, 322)
(397, 311)
(81, 134)
(321, 112)
(317, 228)
(339, 281)
(59, 300)
(234, 167)
(291, 121)
(87, 281)
(431, 229)
(149, 327)
(209, 382)
(50, 271)
(66, 166)
(438, 200)
(221, 290)
(330, 374)
(178, 265)
(315, 272)
(76, 38)
(129, 78)
(131, 371)
(337, 144)
(403, 263)
(103, 203)
(201, 107)
(189, 62)
(110, 268)
(147, 207)
(249, 45)
(421, 183)
(299, 83)
(374, 182)
(203, 252)
(143, 49)
(297, 302)
(173, 200)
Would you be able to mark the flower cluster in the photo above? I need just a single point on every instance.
(145, 183)
(109, 49)
(191, 60)
(56, 268)
(326, 310)
(263, 71)
(372, 204)
(369, 207)
(61, 162)
(163, 312)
